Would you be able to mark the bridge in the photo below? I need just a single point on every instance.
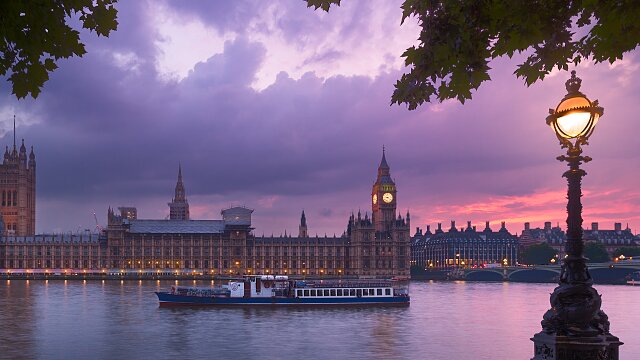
(604, 273)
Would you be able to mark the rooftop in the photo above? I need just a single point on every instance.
(176, 226)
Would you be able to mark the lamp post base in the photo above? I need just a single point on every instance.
(563, 347)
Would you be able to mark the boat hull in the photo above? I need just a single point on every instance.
(168, 299)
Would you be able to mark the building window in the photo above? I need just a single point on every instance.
(15, 198)
(4, 198)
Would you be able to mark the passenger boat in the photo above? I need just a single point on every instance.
(280, 290)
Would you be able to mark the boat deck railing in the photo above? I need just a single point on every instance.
(348, 284)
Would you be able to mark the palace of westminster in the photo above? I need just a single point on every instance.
(376, 245)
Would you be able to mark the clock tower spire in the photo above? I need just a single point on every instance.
(383, 197)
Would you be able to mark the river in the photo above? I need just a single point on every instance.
(446, 320)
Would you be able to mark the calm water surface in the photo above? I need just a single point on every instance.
(122, 320)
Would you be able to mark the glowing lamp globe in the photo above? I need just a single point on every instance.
(576, 116)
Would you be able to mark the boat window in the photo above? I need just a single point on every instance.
(387, 291)
(326, 292)
(379, 291)
(352, 292)
(306, 293)
(299, 293)
(333, 292)
(313, 293)
(365, 292)
(359, 292)
(339, 292)
(372, 292)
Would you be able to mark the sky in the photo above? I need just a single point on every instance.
(280, 108)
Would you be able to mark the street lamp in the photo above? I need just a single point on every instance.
(575, 327)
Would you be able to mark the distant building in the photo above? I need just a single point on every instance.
(18, 187)
(611, 239)
(465, 247)
(376, 246)
(556, 237)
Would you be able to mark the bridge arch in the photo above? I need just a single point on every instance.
(484, 275)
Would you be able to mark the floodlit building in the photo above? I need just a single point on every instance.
(464, 247)
(376, 245)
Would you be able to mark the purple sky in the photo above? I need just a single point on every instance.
(277, 107)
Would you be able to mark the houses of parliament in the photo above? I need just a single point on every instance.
(372, 245)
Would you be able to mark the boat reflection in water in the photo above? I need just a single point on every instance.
(280, 290)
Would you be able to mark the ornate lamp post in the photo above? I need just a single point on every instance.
(575, 327)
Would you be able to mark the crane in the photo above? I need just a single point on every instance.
(98, 227)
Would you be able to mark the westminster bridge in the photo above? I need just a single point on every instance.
(607, 273)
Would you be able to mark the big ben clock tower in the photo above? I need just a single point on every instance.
(383, 198)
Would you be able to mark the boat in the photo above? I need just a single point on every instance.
(280, 290)
(634, 278)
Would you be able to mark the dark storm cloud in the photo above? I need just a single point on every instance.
(113, 133)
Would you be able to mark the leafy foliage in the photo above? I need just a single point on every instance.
(539, 254)
(627, 251)
(595, 252)
(36, 34)
(322, 4)
(459, 39)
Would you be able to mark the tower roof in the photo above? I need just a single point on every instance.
(180, 195)
(383, 162)
(384, 174)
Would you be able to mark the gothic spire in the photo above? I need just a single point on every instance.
(383, 162)
(179, 193)
(179, 207)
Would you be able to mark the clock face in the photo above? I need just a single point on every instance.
(387, 197)
(375, 198)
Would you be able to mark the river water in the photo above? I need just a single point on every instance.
(446, 320)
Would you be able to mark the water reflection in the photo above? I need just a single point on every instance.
(121, 319)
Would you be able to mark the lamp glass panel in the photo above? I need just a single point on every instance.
(574, 123)
(573, 103)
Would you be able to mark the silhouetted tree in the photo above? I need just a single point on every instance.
(595, 252)
(36, 34)
(538, 254)
(460, 38)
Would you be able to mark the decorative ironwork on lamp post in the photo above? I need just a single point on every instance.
(575, 327)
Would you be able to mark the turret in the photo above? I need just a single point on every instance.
(303, 233)
(32, 159)
(23, 154)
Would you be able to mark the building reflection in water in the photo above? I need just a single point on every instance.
(16, 312)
